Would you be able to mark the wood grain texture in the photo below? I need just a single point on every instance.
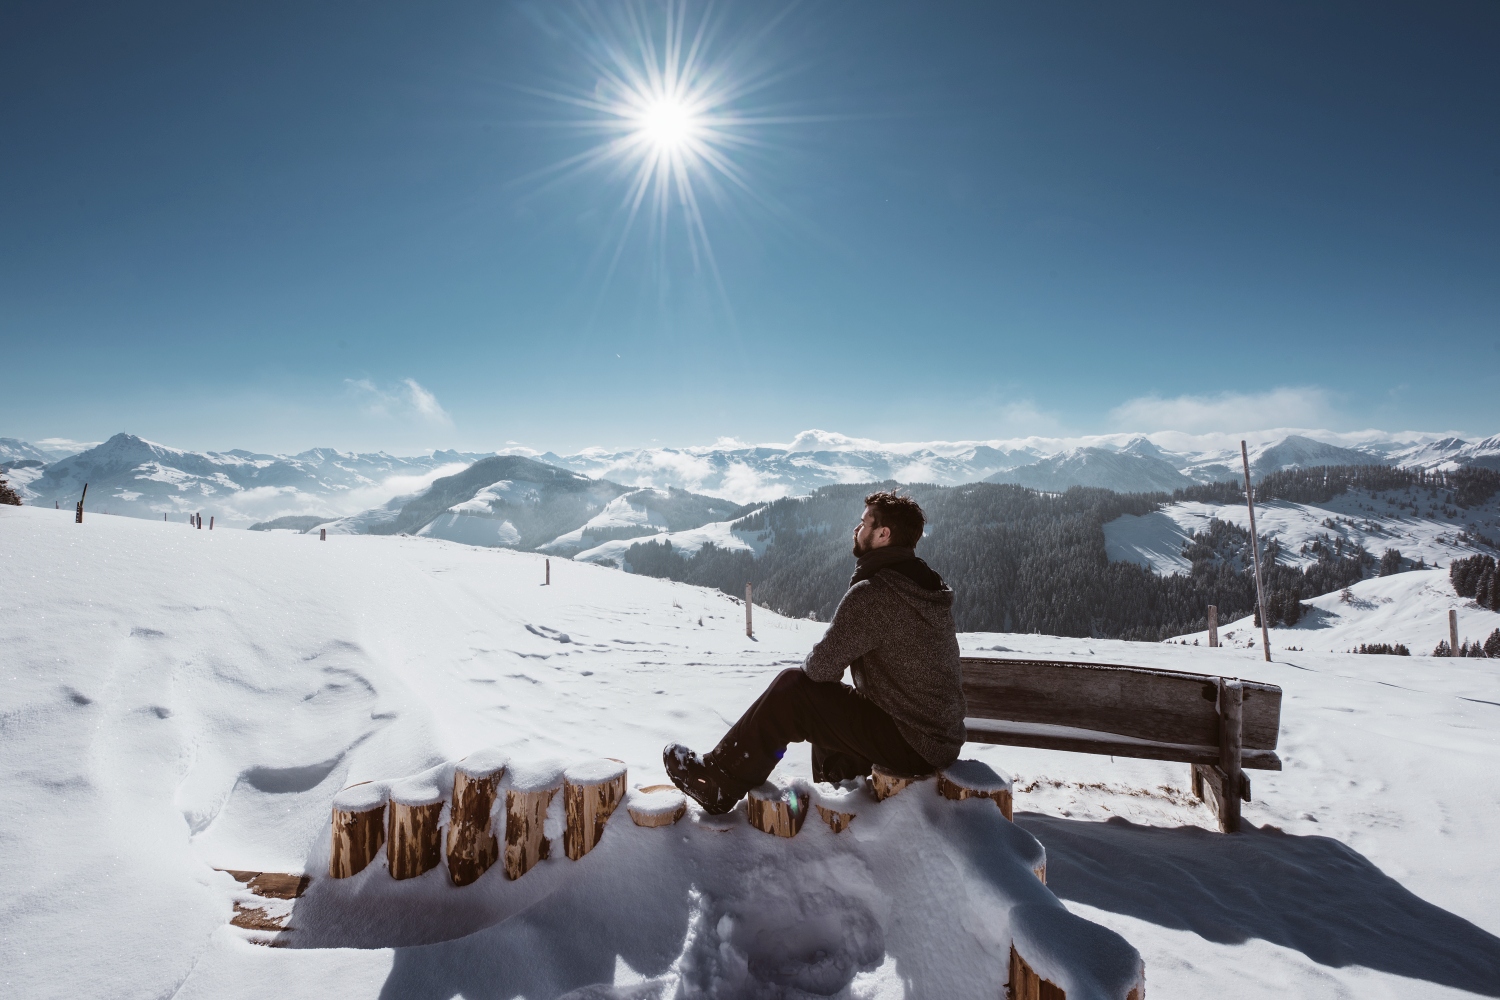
(357, 838)
(780, 813)
(1231, 720)
(1164, 706)
(951, 788)
(271, 885)
(1261, 760)
(414, 841)
(472, 846)
(1027, 985)
(837, 821)
(525, 836)
(588, 807)
(887, 783)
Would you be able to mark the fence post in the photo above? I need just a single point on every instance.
(547, 565)
(1452, 631)
(210, 522)
(749, 626)
(78, 515)
(322, 534)
(1213, 626)
(1260, 589)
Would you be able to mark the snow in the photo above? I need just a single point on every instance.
(1406, 608)
(686, 543)
(180, 701)
(978, 776)
(594, 772)
(1360, 517)
(660, 800)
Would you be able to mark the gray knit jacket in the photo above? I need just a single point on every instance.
(900, 642)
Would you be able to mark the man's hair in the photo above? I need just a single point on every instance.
(901, 514)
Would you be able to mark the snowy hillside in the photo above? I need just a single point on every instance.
(127, 475)
(1408, 520)
(1122, 471)
(180, 701)
(1407, 608)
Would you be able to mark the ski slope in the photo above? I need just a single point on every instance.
(181, 700)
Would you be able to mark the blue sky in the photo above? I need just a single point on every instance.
(287, 225)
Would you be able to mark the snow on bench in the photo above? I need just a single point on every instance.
(1219, 725)
(911, 835)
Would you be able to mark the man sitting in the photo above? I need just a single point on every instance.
(894, 630)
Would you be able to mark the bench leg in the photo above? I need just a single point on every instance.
(1197, 780)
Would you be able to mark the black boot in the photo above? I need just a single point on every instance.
(705, 784)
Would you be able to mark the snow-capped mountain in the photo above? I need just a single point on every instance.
(1122, 471)
(510, 501)
(14, 450)
(127, 475)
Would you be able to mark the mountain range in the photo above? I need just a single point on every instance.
(349, 491)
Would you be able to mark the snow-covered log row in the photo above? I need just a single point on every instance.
(406, 816)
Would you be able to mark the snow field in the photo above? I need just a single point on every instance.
(178, 701)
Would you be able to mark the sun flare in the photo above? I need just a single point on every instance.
(667, 124)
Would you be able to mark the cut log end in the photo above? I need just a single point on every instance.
(777, 811)
(972, 779)
(656, 805)
(591, 793)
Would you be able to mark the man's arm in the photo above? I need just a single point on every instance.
(852, 633)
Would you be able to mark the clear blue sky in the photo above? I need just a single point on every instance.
(249, 226)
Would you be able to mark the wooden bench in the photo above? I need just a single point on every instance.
(1219, 725)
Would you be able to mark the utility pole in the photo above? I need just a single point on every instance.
(1260, 587)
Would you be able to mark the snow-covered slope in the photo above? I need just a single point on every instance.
(178, 701)
(1406, 608)
(1407, 520)
(1121, 471)
(16, 450)
(127, 475)
(722, 534)
(631, 516)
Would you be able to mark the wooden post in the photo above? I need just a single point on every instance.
(78, 519)
(591, 793)
(656, 805)
(1260, 589)
(472, 847)
(210, 522)
(526, 803)
(749, 629)
(322, 534)
(1452, 631)
(414, 842)
(1025, 984)
(1213, 626)
(1231, 722)
(777, 810)
(164, 517)
(974, 779)
(358, 828)
(548, 564)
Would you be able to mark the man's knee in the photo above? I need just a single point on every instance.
(789, 682)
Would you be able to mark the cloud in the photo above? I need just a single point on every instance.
(406, 399)
(1288, 406)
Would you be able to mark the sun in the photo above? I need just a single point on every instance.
(668, 124)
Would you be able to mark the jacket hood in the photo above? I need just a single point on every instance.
(930, 604)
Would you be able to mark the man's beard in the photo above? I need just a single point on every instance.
(858, 551)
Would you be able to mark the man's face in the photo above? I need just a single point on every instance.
(867, 536)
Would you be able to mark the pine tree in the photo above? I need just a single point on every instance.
(1492, 644)
(8, 495)
(1442, 649)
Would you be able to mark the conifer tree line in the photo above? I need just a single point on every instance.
(1475, 577)
(8, 495)
(1024, 561)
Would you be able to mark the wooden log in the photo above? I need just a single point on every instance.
(358, 828)
(838, 802)
(656, 805)
(973, 779)
(838, 822)
(777, 809)
(414, 842)
(591, 793)
(887, 783)
(472, 846)
(271, 885)
(526, 803)
(1231, 694)
(1213, 626)
(1025, 984)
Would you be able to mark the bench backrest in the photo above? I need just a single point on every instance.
(1166, 706)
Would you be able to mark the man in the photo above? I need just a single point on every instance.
(894, 629)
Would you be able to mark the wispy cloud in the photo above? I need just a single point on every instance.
(1288, 406)
(406, 399)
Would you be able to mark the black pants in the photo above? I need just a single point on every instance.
(848, 731)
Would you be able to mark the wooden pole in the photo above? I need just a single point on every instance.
(78, 519)
(1452, 631)
(1260, 589)
(749, 628)
(322, 534)
(210, 522)
(1231, 730)
(547, 563)
(1213, 626)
